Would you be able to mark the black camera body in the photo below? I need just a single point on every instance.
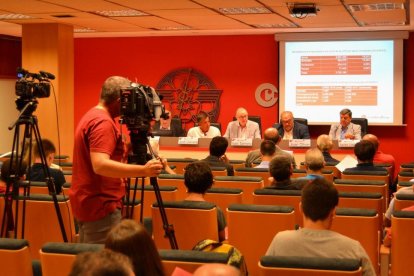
(33, 85)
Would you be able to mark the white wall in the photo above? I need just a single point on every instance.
(8, 113)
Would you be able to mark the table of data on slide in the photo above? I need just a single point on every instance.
(336, 95)
(336, 65)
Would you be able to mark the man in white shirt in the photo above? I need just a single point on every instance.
(203, 130)
(243, 127)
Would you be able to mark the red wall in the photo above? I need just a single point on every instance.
(236, 64)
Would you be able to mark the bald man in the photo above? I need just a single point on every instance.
(242, 127)
(289, 129)
(270, 134)
(380, 157)
(217, 270)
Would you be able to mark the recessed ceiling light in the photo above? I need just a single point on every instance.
(252, 10)
(120, 13)
(376, 7)
(385, 23)
(263, 26)
(175, 28)
(84, 30)
(14, 16)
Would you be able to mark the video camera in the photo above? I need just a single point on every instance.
(33, 85)
(140, 104)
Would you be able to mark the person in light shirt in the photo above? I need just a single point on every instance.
(242, 127)
(203, 130)
(289, 129)
(345, 129)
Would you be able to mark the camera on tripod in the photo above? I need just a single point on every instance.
(140, 104)
(33, 85)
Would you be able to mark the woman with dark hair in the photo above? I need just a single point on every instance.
(132, 240)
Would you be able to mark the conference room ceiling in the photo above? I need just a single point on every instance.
(111, 18)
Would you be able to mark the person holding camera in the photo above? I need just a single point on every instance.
(97, 191)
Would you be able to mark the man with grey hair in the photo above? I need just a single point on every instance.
(289, 129)
(97, 191)
(314, 163)
(243, 127)
(345, 129)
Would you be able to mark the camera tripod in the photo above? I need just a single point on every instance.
(29, 123)
(140, 142)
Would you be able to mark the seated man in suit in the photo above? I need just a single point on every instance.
(365, 151)
(166, 124)
(345, 129)
(315, 239)
(203, 130)
(270, 134)
(243, 127)
(217, 157)
(289, 129)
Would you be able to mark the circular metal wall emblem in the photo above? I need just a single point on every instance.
(266, 95)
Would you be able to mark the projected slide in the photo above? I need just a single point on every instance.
(321, 78)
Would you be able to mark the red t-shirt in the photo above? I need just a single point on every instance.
(94, 196)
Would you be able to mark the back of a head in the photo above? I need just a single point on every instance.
(7, 171)
(101, 263)
(48, 148)
(319, 198)
(314, 159)
(131, 239)
(280, 168)
(373, 139)
(267, 148)
(271, 134)
(218, 146)
(215, 269)
(111, 88)
(364, 151)
(324, 143)
(198, 177)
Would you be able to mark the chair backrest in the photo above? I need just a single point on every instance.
(370, 186)
(298, 266)
(254, 172)
(363, 122)
(223, 197)
(174, 180)
(247, 183)
(15, 258)
(363, 200)
(219, 171)
(402, 184)
(168, 193)
(405, 176)
(256, 119)
(251, 229)
(57, 257)
(192, 221)
(180, 163)
(41, 221)
(366, 175)
(302, 121)
(402, 201)
(189, 260)
(367, 232)
(402, 243)
(281, 198)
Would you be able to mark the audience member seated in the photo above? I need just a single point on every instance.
(243, 127)
(380, 157)
(214, 269)
(280, 169)
(324, 144)
(390, 210)
(7, 172)
(365, 151)
(198, 178)
(105, 262)
(132, 240)
(166, 125)
(314, 163)
(387, 230)
(218, 157)
(37, 170)
(318, 204)
(270, 134)
(345, 129)
(289, 129)
(267, 151)
(203, 130)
